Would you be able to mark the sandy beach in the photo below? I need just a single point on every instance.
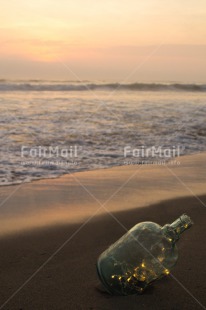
(52, 232)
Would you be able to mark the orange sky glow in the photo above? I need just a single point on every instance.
(103, 39)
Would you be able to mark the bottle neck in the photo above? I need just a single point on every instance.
(174, 230)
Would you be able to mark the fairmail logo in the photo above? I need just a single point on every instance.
(153, 151)
(49, 151)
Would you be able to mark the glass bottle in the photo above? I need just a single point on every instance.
(144, 254)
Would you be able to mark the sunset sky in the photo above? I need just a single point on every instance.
(152, 40)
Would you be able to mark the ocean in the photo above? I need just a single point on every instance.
(51, 128)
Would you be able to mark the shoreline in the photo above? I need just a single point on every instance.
(72, 198)
(158, 163)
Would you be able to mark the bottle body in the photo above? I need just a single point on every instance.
(144, 254)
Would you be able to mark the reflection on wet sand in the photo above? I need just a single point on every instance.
(73, 198)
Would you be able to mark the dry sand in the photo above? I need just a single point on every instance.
(43, 215)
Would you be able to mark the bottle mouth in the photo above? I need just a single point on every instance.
(186, 221)
(175, 229)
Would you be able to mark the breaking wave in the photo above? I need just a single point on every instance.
(68, 86)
